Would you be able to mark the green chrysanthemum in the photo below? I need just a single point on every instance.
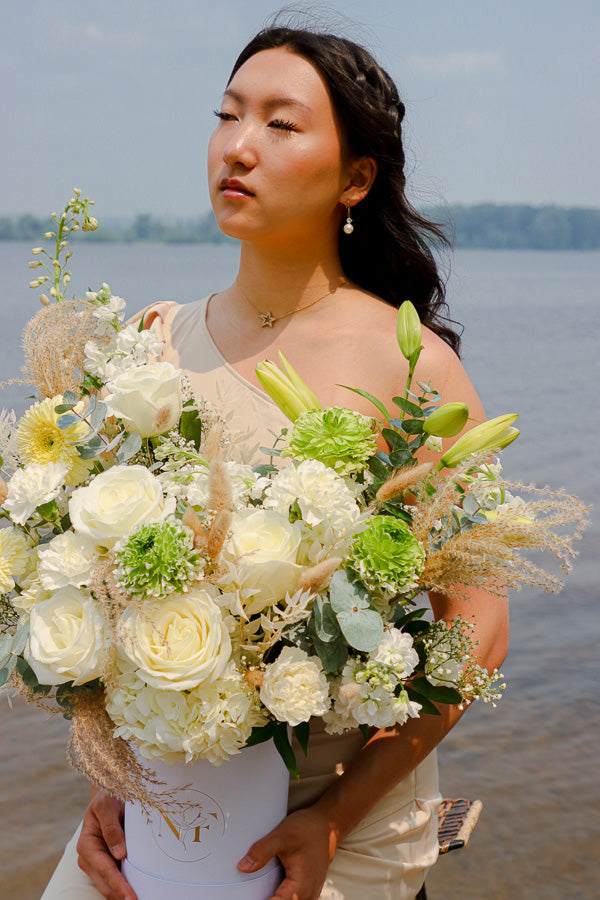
(338, 437)
(158, 560)
(386, 556)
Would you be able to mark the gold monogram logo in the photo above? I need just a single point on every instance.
(191, 833)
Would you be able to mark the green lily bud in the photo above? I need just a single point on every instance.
(408, 330)
(497, 433)
(301, 387)
(447, 420)
(290, 397)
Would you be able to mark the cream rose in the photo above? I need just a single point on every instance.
(147, 398)
(67, 640)
(264, 547)
(294, 687)
(177, 643)
(116, 502)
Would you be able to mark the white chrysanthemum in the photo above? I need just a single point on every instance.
(245, 483)
(369, 694)
(212, 721)
(323, 496)
(295, 687)
(395, 649)
(14, 553)
(67, 559)
(31, 487)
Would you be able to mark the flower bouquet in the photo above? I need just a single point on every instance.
(181, 607)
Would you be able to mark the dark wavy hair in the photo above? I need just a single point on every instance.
(391, 251)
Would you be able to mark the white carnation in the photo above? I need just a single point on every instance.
(14, 558)
(295, 687)
(67, 559)
(323, 497)
(32, 486)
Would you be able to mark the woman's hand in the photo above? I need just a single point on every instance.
(101, 844)
(305, 844)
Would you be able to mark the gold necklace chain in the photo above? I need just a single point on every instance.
(267, 319)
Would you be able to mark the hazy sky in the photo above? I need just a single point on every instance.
(115, 97)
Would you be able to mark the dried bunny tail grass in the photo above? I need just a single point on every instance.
(218, 532)
(110, 762)
(54, 343)
(402, 481)
(220, 489)
(314, 577)
(191, 520)
(211, 445)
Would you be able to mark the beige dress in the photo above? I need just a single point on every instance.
(387, 855)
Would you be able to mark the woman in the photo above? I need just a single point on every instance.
(305, 169)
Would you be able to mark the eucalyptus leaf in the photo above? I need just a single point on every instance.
(346, 595)
(302, 732)
(362, 628)
(412, 426)
(63, 408)
(46, 538)
(401, 458)
(130, 446)
(411, 409)
(91, 450)
(333, 654)
(270, 451)
(393, 438)
(7, 670)
(92, 402)
(70, 397)
(6, 642)
(114, 442)
(66, 420)
(325, 622)
(20, 639)
(97, 415)
(377, 468)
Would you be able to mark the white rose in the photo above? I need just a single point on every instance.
(264, 548)
(67, 559)
(31, 487)
(177, 643)
(295, 687)
(116, 502)
(67, 640)
(147, 398)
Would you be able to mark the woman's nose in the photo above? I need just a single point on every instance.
(240, 149)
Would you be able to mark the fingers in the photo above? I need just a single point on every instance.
(101, 843)
(261, 852)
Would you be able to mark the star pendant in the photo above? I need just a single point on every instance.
(266, 320)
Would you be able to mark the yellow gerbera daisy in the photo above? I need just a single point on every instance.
(13, 558)
(40, 440)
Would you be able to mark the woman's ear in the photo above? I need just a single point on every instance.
(362, 174)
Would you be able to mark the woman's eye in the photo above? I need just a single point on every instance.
(223, 116)
(283, 124)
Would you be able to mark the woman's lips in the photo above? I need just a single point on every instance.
(230, 187)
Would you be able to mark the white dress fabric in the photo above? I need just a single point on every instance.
(387, 855)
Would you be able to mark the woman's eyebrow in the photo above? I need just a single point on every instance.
(271, 102)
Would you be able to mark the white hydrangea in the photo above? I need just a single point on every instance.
(323, 497)
(369, 694)
(212, 721)
(32, 486)
(295, 687)
(67, 559)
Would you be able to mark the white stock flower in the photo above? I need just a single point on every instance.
(212, 721)
(395, 649)
(323, 497)
(147, 398)
(263, 545)
(14, 558)
(245, 483)
(295, 687)
(31, 487)
(67, 640)
(368, 695)
(116, 502)
(127, 348)
(177, 643)
(66, 559)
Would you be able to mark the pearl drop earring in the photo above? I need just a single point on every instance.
(348, 227)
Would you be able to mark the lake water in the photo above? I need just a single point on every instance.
(531, 344)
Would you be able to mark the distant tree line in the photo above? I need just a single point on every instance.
(484, 225)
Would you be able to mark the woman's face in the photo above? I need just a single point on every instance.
(276, 165)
